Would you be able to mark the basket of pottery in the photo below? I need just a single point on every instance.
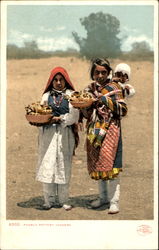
(37, 114)
(81, 99)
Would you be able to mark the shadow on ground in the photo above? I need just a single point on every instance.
(78, 201)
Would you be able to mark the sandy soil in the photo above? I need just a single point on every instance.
(25, 82)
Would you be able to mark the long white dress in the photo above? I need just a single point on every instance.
(56, 146)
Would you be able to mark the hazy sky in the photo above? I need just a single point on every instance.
(52, 25)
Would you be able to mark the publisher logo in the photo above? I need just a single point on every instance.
(144, 230)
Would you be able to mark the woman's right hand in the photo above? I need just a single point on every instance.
(55, 119)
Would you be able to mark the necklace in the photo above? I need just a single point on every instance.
(57, 100)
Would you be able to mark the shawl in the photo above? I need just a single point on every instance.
(103, 131)
(54, 72)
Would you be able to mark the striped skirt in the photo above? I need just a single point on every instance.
(105, 162)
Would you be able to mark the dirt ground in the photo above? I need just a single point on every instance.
(25, 82)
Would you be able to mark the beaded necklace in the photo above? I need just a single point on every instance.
(57, 100)
(57, 96)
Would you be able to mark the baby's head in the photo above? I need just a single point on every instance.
(122, 71)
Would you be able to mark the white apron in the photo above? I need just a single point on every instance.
(56, 146)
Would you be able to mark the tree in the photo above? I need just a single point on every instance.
(31, 45)
(101, 41)
(141, 51)
(140, 47)
(30, 49)
(12, 51)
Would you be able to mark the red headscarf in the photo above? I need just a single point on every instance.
(54, 72)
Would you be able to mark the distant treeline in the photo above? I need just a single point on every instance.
(138, 56)
(140, 51)
(31, 51)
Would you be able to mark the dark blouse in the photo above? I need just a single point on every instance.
(59, 104)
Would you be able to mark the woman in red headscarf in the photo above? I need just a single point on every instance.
(57, 140)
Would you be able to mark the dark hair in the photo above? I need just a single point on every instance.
(101, 62)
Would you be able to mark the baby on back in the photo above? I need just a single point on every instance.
(122, 76)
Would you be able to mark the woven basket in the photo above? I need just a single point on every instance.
(38, 118)
(81, 104)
